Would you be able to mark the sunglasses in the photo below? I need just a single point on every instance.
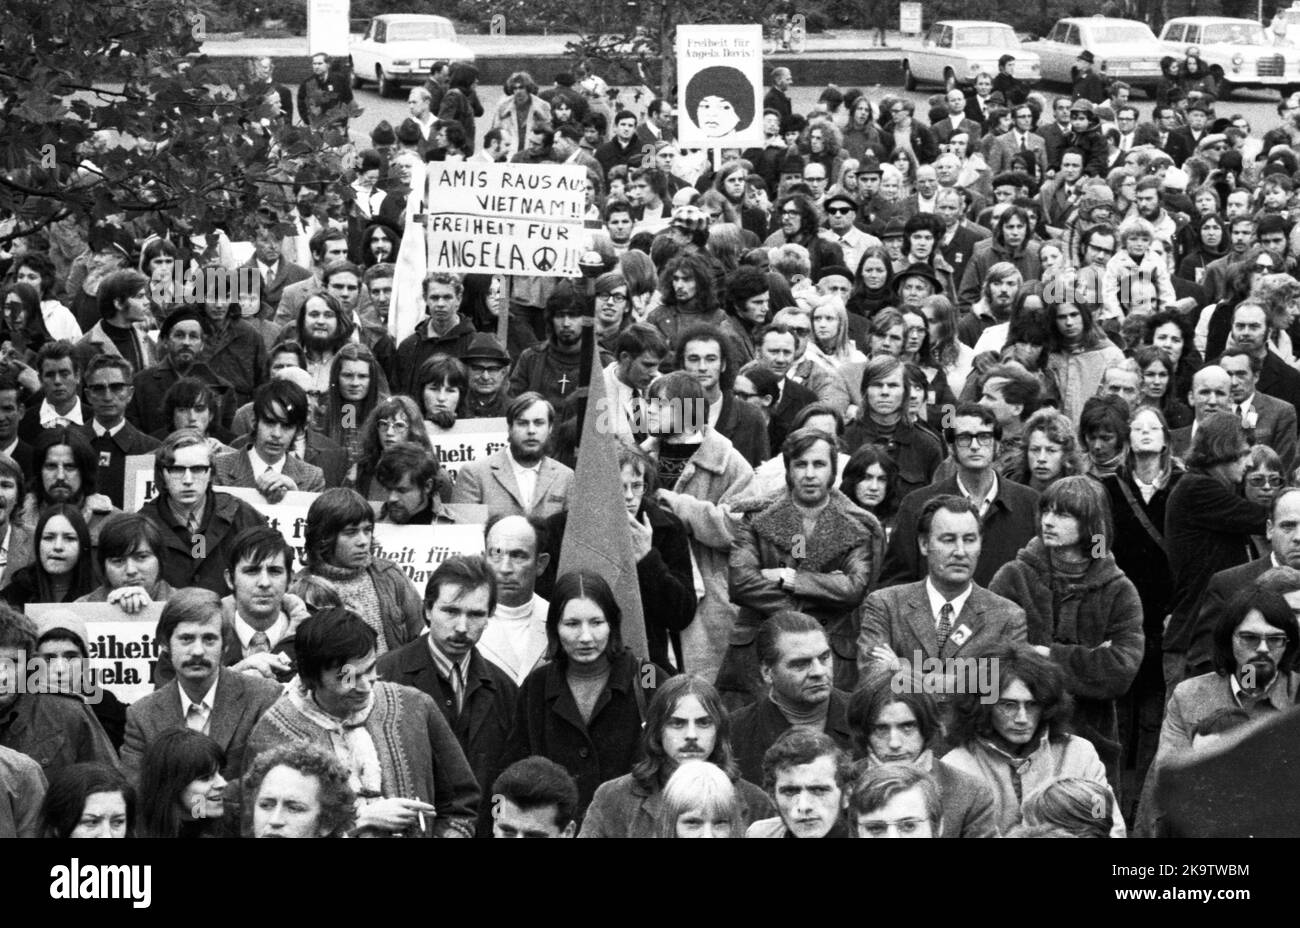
(839, 210)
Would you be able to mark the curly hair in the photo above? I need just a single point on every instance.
(337, 800)
(973, 717)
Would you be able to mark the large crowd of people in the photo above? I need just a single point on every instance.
(957, 450)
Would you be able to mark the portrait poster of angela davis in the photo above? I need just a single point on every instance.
(720, 81)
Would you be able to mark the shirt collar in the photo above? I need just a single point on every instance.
(444, 663)
(1238, 692)
(988, 497)
(49, 415)
(937, 599)
(208, 701)
(100, 431)
(259, 465)
(278, 630)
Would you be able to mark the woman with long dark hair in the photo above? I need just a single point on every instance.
(1158, 386)
(62, 571)
(1078, 352)
(357, 385)
(88, 801)
(1172, 332)
(584, 710)
(182, 791)
(23, 322)
(873, 285)
(1210, 243)
(393, 420)
(190, 403)
(870, 481)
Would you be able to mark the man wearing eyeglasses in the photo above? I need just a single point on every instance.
(1021, 138)
(1007, 511)
(198, 526)
(1249, 639)
(108, 390)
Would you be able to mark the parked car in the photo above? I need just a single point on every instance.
(1125, 50)
(954, 51)
(1238, 52)
(399, 49)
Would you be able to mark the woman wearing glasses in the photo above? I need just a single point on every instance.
(396, 419)
(1075, 598)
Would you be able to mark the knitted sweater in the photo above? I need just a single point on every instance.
(357, 590)
(419, 755)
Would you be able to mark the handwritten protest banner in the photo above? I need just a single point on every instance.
(515, 219)
(137, 488)
(123, 650)
(720, 81)
(417, 549)
(467, 441)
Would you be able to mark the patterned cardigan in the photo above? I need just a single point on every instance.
(419, 755)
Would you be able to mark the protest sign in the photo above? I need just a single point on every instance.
(417, 549)
(328, 27)
(468, 440)
(137, 487)
(123, 651)
(515, 219)
(720, 86)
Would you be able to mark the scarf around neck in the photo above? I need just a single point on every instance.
(351, 742)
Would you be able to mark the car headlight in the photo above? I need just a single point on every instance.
(1237, 60)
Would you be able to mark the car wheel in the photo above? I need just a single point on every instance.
(909, 82)
(384, 84)
(356, 80)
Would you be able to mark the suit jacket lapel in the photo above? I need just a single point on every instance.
(972, 617)
(922, 620)
(169, 707)
(505, 475)
(227, 709)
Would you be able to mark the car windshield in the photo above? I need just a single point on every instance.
(418, 32)
(1118, 33)
(1234, 34)
(986, 37)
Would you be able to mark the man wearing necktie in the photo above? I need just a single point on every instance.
(946, 615)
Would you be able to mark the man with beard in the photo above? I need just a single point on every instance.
(409, 476)
(519, 479)
(476, 697)
(808, 551)
(1001, 285)
(1255, 641)
(199, 526)
(1283, 533)
(551, 368)
(67, 471)
(324, 328)
(108, 386)
(269, 466)
(60, 375)
(808, 775)
(800, 226)
(640, 350)
(183, 334)
(205, 696)
(443, 331)
(795, 660)
(1166, 227)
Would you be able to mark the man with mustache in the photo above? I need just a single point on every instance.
(67, 472)
(183, 335)
(205, 696)
(1255, 643)
(475, 695)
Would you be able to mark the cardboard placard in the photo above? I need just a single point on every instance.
(720, 86)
